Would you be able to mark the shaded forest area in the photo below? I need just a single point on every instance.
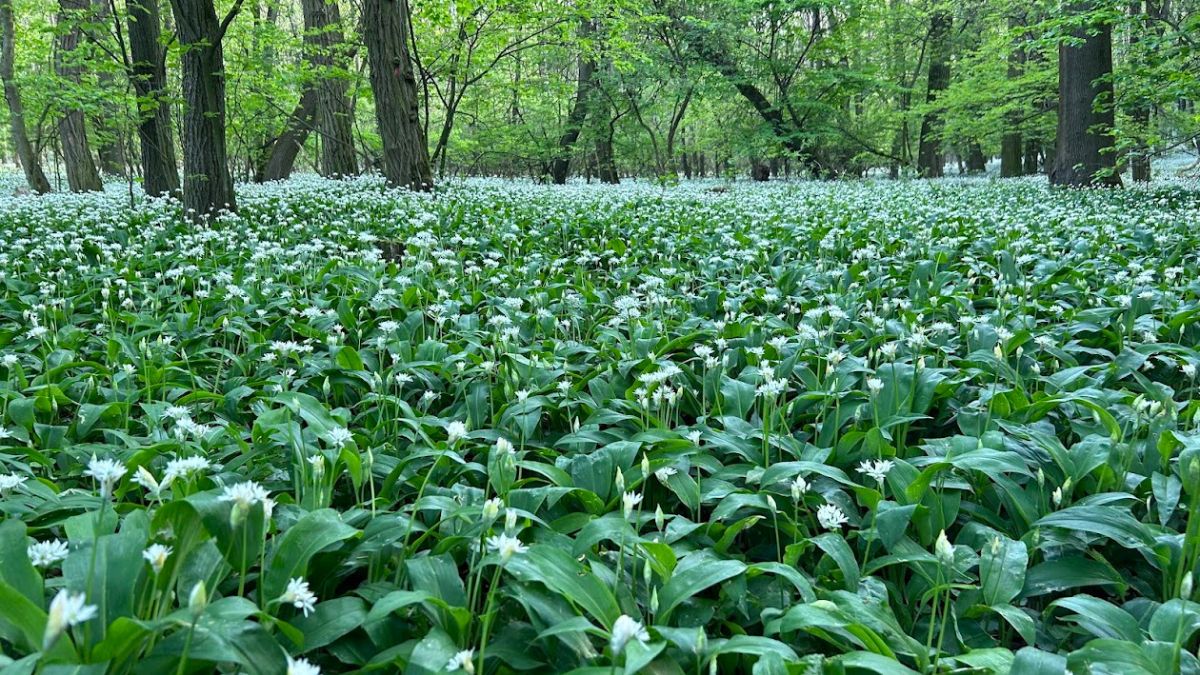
(190, 96)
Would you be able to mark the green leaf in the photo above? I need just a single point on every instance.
(695, 573)
(1002, 566)
(292, 551)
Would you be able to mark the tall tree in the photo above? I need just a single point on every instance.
(323, 41)
(584, 86)
(386, 32)
(26, 155)
(930, 160)
(160, 174)
(279, 153)
(1084, 152)
(207, 184)
(82, 175)
(1010, 143)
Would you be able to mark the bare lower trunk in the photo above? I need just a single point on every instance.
(930, 160)
(16, 112)
(1010, 144)
(405, 159)
(1084, 148)
(82, 175)
(160, 173)
(207, 185)
(279, 154)
(579, 110)
(323, 40)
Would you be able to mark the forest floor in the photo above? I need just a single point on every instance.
(896, 426)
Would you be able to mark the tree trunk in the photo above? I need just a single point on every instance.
(1030, 160)
(583, 94)
(279, 154)
(930, 160)
(323, 39)
(1010, 143)
(82, 175)
(976, 161)
(160, 173)
(1084, 147)
(110, 142)
(207, 185)
(16, 112)
(1139, 113)
(405, 154)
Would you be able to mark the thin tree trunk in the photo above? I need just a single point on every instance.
(405, 153)
(323, 39)
(1139, 114)
(673, 129)
(207, 184)
(1084, 148)
(160, 173)
(279, 154)
(16, 112)
(930, 161)
(583, 93)
(976, 161)
(82, 175)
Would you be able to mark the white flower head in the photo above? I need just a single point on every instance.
(301, 667)
(506, 546)
(10, 481)
(799, 486)
(831, 517)
(106, 473)
(157, 555)
(464, 660)
(876, 469)
(338, 437)
(66, 609)
(629, 501)
(624, 629)
(46, 553)
(455, 431)
(299, 596)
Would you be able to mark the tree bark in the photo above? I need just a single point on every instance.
(34, 175)
(585, 83)
(930, 161)
(1139, 113)
(279, 154)
(405, 153)
(1010, 143)
(323, 40)
(207, 184)
(160, 173)
(1084, 147)
(82, 175)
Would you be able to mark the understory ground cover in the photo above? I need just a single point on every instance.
(942, 426)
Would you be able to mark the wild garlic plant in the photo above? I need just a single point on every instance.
(939, 426)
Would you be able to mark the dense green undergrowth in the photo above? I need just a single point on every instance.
(821, 427)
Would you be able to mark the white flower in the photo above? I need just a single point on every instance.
(10, 481)
(156, 555)
(5, 433)
(831, 517)
(66, 609)
(464, 660)
(799, 487)
(944, 549)
(506, 546)
(301, 667)
(629, 500)
(299, 596)
(627, 628)
(454, 431)
(491, 508)
(339, 437)
(46, 553)
(877, 469)
(1189, 369)
(106, 472)
(664, 473)
(503, 445)
(875, 385)
(184, 467)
